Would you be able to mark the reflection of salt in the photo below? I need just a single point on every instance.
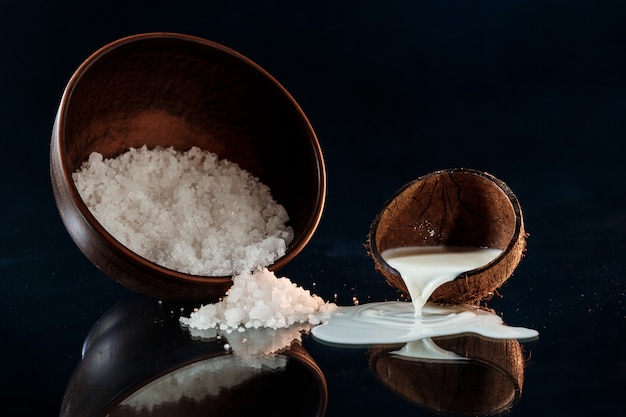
(260, 299)
(207, 378)
(187, 211)
(253, 352)
(256, 346)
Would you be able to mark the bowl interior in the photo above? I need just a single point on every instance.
(179, 91)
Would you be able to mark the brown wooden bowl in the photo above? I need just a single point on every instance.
(454, 207)
(166, 89)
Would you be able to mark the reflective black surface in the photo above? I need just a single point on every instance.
(533, 92)
(137, 360)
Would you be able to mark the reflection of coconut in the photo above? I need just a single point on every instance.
(490, 382)
(455, 207)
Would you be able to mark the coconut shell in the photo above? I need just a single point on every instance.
(455, 207)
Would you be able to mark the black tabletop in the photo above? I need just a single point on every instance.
(532, 92)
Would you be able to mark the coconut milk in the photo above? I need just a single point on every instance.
(423, 269)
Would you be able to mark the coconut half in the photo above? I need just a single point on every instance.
(455, 207)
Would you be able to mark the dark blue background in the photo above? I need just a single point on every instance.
(532, 91)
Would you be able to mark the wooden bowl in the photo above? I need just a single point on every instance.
(166, 89)
(454, 207)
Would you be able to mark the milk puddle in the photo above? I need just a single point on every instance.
(390, 322)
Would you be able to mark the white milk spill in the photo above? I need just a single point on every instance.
(423, 269)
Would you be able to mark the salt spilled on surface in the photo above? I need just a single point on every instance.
(259, 299)
(187, 211)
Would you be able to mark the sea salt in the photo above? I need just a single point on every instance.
(187, 211)
(260, 299)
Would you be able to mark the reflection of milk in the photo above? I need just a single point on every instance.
(427, 349)
(423, 270)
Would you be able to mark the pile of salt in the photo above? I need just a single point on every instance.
(187, 211)
(260, 299)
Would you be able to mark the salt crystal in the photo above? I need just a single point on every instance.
(187, 211)
(259, 299)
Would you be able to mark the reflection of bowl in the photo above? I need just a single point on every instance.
(455, 207)
(139, 343)
(162, 89)
(489, 382)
